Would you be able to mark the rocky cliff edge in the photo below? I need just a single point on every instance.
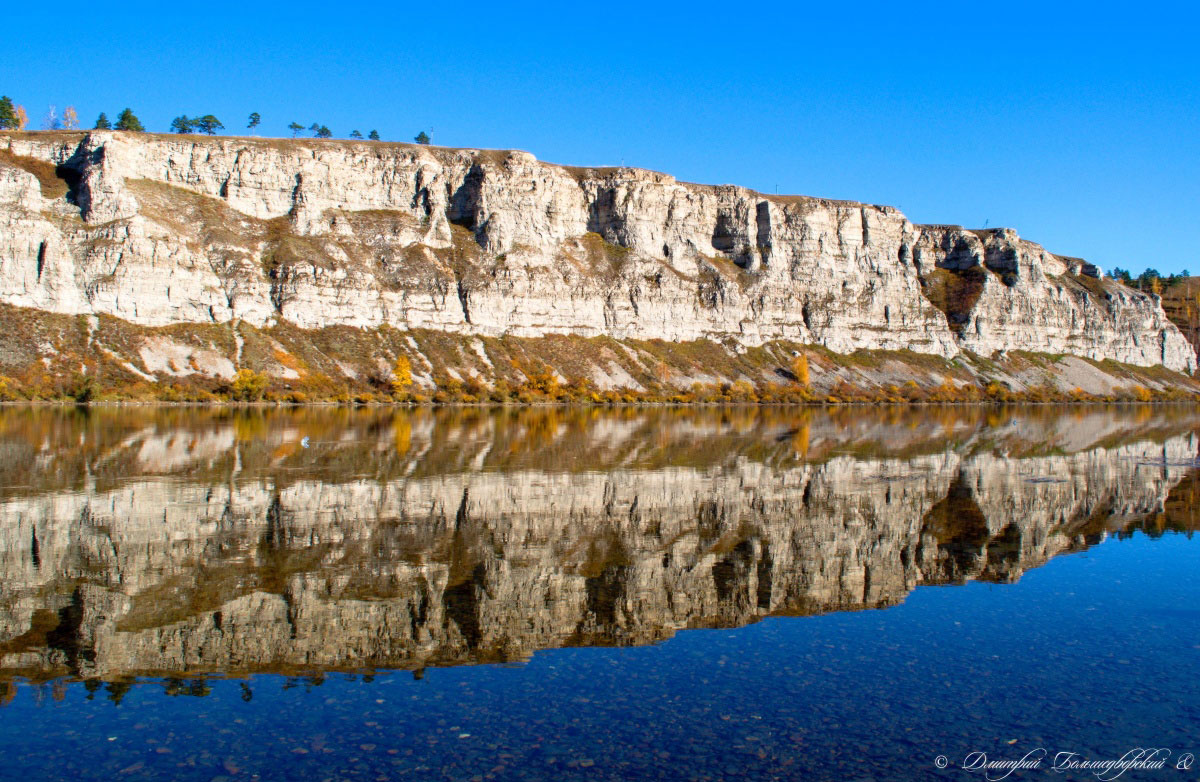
(162, 230)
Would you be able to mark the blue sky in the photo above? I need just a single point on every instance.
(1076, 124)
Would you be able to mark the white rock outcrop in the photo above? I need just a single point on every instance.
(160, 230)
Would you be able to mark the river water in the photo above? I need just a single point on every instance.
(549, 594)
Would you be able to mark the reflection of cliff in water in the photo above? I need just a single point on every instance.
(184, 542)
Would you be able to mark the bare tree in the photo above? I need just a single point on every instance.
(51, 120)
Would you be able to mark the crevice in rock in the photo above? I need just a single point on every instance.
(422, 201)
(72, 179)
(72, 171)
(602, 214)
(297, 194)
(763, 236)
(464, 299)
(53, 181)
(465, 201)
(726, 234)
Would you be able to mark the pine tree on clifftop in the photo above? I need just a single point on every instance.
(8, 114)
(208, 124)
(102, 122)
(127, 121)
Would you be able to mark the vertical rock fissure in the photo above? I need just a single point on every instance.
(464, 299)
(763, 236)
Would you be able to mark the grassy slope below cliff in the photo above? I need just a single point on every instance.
(50, 357)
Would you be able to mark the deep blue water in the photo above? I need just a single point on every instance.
(1095, 653)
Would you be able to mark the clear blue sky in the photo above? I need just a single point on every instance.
(1078, 125)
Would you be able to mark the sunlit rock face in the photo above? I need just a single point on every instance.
(165, 543)
(160, 230)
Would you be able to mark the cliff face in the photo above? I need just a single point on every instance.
(163, 230)
(1181, 302)
(422, 540)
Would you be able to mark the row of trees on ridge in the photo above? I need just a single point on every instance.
(1150, 280)
(14, 117)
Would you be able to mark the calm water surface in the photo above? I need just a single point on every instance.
(550, 594)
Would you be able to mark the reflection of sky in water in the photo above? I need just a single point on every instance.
(1095, 652)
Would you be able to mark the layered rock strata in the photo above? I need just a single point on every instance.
(161, 230)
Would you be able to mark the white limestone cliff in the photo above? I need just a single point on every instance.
(159, 230)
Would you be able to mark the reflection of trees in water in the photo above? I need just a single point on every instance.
(196, 686)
